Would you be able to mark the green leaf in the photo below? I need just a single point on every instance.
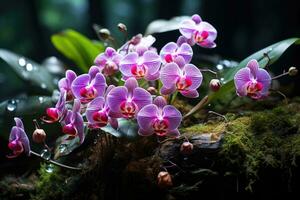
(127, 128)
(161, 25)
(273, 51)
(29, 70)
(78, 48)
(65, 146)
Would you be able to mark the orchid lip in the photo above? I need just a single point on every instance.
(128, 109)
(160, 127)
(183, 83)
(70, 130)
(88, 92)
(138, 71)
(100, 118)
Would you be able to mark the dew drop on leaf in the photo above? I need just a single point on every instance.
(62, 148)
(49, 168)
(22, 62)
(46, 154)
(11, 105)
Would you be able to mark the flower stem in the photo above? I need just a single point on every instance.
(211, 71)
(173, 97)
(281, 75)
(54, 162)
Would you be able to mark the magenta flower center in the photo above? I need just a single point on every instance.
(88, 92)
(128, 109)
(16, 146)
(138, 71)
(110, 68)
(70, 95)
(70, 130)
(169, 58)
(160, 127)
(183, 83)
(253, 87)
(199, 37)
(53, 114)
(101, 118)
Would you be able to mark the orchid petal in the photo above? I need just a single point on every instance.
(141, 97)
(146, 116)
(127, 62)
(173, 116)
(99, 84)
(187, 27)
(115, 97)
(152, 61)
(19, 123)
(160, 102)
(194, 74)
(169, 74)
(131, 84)
(80, 82)
(190, 93)
(167, 91)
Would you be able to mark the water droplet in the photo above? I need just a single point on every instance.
(43, 85)
(49, 168)
(46, 154)
(22, 62)
(11, 105)
(41, 99)
(29, 67)
(222, 80)
(62, 148)
(209, 105)
(227, 63)
(219, 67)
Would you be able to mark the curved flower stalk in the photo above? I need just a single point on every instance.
(171, 51)
(186, 79)
(97, 112)
(199, 32)
(108, 62)
(125, 101)
(73, 123)
(86, 87)
(64, 84)
(141, 65)
(252, 81)
(58, 112)
(159, 118)
(18, 140)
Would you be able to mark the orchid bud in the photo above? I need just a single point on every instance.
(164, 179)
(136, 39)
(122, 27)
(293, 71)
(104, 33)
(152, 90)
(186, 148)
(39, 136)
(215, 84)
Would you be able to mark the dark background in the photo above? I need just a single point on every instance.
(243, 26)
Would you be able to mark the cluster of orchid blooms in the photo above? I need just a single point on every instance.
(151, 78)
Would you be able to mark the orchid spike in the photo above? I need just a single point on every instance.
(73, 124)
(64, 84)
(186, 79)
(18, 140)
(141, 66)
(159, 118)
(58, 112)
(200, 32)
(86, 87)
(108, 62)
(125, 101)
(171, 51)
(252, 81)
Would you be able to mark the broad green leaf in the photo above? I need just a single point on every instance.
(161, 25)
(29, 70)
(127, 128)
(273, 51)
(78, 48)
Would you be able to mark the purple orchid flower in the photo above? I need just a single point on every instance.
(125, 101)
(18, 140)
(73, 124)
(145, 65)
(58, 112)
(108, 61)
(138, 43)
(171, 50)
(201, 32)
(64, 84)
(185, 79)
(86, 87)
(159, 118)
(252, 81)
(97, 112)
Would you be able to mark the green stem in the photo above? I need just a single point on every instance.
(173, 97)
(54, 162)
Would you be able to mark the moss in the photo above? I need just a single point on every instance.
(50, 184)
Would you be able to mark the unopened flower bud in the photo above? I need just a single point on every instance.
(122, 27)
(152, 90)
(164, 179)
(293, 71)
(39, 136)
(136, 39)
(214, 85)
(186, 148)
(104, 33)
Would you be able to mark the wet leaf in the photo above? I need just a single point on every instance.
(65, 146)
(29, 70)
(127, 128)
(161, 25)
(78, 48)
